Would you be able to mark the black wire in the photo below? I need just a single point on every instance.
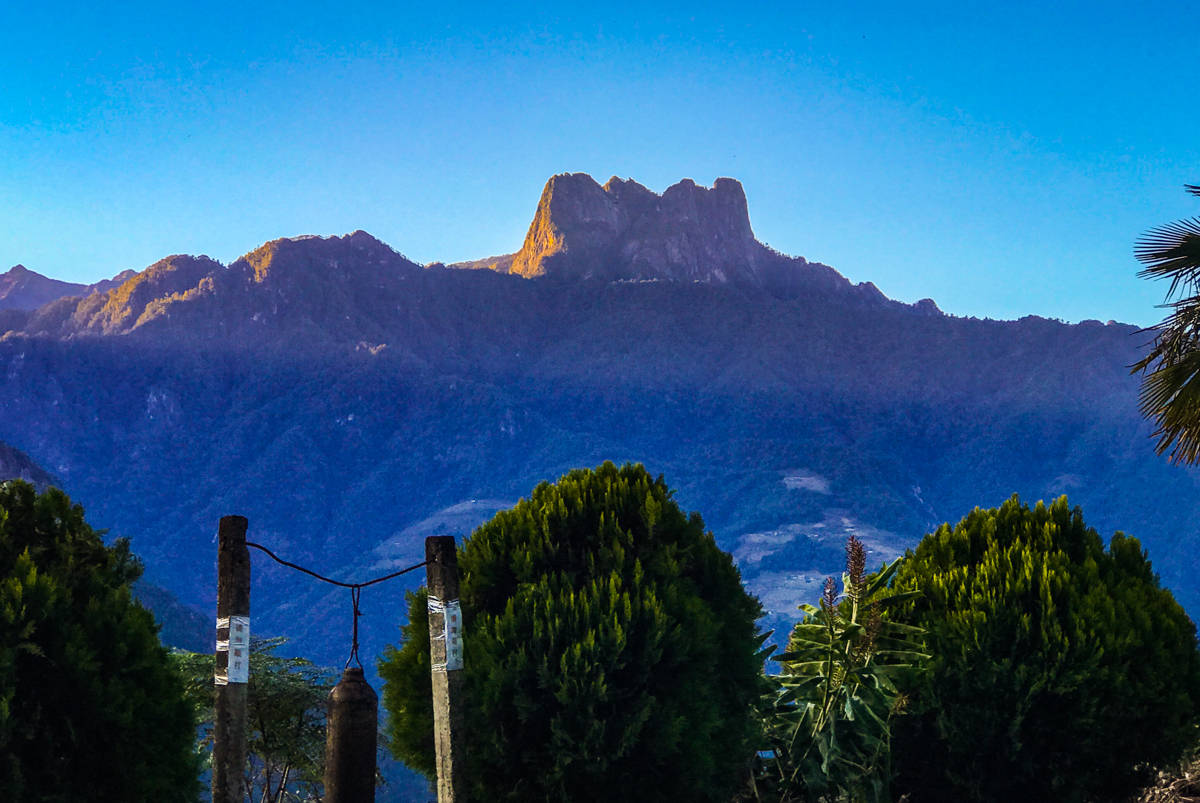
(325, 579)
(355, 591)
(355, 596)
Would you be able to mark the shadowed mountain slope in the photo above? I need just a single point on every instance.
(16, 465)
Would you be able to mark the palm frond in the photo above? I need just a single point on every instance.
(1170, 395)
(1175, 337)
(1171, 251)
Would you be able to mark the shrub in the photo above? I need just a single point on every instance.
(1060, 671)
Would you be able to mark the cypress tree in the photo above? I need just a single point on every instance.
(1060, 671)
(610, 650)
(90, 706)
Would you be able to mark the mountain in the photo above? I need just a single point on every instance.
(624, 231)
(16, 465)
(349, 402)
(23, 289)
(180, 625)
(309, 285)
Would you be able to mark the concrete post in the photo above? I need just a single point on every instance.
(445, 655)
(232, 661)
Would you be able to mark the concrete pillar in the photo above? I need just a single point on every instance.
(232, 661)
(445, 655)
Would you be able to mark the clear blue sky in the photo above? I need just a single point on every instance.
(1000, 158)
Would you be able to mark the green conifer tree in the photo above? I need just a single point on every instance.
(90, 705)
(611, 651)
(1060, 671)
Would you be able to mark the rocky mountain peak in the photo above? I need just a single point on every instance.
(141, 297)
(283, 259)
(629, 193)
(622, 230)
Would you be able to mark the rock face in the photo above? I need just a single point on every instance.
(624, 231)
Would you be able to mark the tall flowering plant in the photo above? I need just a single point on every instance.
(838, 691)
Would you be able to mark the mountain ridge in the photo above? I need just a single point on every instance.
(24, 289)
(16, 465)
(580, 231)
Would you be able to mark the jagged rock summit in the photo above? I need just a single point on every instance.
(622, 230)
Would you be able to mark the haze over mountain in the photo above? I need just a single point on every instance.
(349, 401)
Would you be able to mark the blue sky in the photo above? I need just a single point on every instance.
(998, 158)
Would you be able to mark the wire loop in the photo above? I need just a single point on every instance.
(355, 590)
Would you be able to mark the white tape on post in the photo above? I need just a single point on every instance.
(237, 644)
(451, 611)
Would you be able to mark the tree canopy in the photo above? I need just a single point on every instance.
(90, 705)
(610, 650)
(1060, 671)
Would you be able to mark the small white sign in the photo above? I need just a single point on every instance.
(239, 665)
(239, 631)
(454, 645)
(237, 645)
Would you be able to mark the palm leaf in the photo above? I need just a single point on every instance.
(1170, 392)
(1171, 251)
(1171, 395)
